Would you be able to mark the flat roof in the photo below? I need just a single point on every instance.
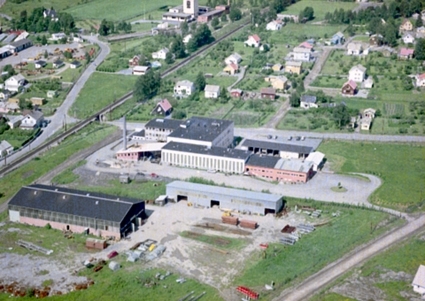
(231, 192)
(294, 165)
(263, 161)
(164, 123)
(286, 147)
(75, 202)
(201, 129)
(208, 151)
(144, 147)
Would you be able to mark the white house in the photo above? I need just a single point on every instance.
(357, 73)
(187, 38)
(308, 101)
(274, 25)
(161, 54)
(212, 91)
(75, 65)
(234, 58)
(5, 148)
(408, 38)
(420, 80)
(183, 88)
(13, 83)
(354, 48)
(39, 64)
(57, 36)
(302, 54)
(140, 70)
(50, 13)
(253, 41)
(368, 83)
(419, 281)
(32, 120)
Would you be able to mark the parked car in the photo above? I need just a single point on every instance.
(290, 138)
(154, 175)
(112, 254)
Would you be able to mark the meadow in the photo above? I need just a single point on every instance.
(320, 8)
(401, 168)
(113, 86)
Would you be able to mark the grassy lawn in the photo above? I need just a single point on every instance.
(398, 165)
(219, 242)
(70, 75)
(67, 176)
(13, 9)
(331, 297)
(117, 10)
(329, 81)
(317, 120)
(16, 137)
(286, 264)
(100, 90)
(37, 167)
(320, 7)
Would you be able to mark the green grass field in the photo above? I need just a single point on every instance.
(398, 165)
(286, 265)
(320, 7)
(38, 166)
(14, 9)
(100, 90)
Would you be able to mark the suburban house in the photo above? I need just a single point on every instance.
(367, 118)
(163, 108)
(58, 64)
(32, 120)
(308, 101)
(51, 14)
(420, 80)
(420, 30)
(57, 36)
(236, 93)
(277, 82)
(357, 73)
(134, 61)
(269, 93)
(212, 91)
(234, 58)
(77, 211)
(39, 64)
(5, 94)
(274, 25)
(408, 38)
(302, 54)
(37, 101)
(349, 88)
(418, 282)
(5, 148)
(368, 83)
(253, 41)
(293, 67)
(406, 53)
(75, 65)
(376, 40)
(354, 48)
(183, 88)
(406, 25)
(231, 69)
(51, 94)
(160, 54)
(277, 67)
(338, 38)
(15, 121)
(140, 70)
(13, 83)
(307, 45)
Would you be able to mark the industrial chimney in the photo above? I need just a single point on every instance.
(124, 133)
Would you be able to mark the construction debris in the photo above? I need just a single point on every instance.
(248, 292)
(229, 220)
(304, 228)
(244, 223)
(33, 247)
(186, 296)
(288, 229)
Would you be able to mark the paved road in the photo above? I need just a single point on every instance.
(61, 115)
(316, 282)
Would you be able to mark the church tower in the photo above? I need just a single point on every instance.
(191, 7)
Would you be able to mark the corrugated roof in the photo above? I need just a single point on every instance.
(231, 192)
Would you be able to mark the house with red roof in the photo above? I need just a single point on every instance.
(306, 45)
(349, 88)
(163, 108)
(253, 41)
(420, 80)
(231, 69)
(406, 53)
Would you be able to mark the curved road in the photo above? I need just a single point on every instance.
(61, 115)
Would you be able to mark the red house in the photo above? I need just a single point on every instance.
(269, 93)
(236, 93)
(163, 108)
(349, 88)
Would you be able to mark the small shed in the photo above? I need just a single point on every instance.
(114, 266)
(161, 200)
(124, 179)
(93, 243)
(268, 93)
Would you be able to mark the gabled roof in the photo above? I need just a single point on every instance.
(212, 88)
(338, 35)
(4, 145)
(165, 104)
(184, 83)
(419, 279)
(268, 91)
(405, 21)
(421, 76)
(302, 50)
(358, 67)
(406, 51)
(21, 42)
(73, 202)
(232, 66)
(352, 84)
(305, 45)
(308, 98)
(293, 63)
(255, 37)
(354, 46)
(35, 114)
(17, 77)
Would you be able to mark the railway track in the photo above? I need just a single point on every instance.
(98, 115)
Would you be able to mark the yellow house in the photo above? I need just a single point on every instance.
(277, 82)
(293, 67)
(37, 101)
(406, 25)
(277, 67)
(13, 100)
(231, 69)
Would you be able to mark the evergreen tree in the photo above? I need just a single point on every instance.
(147, 86)
(200, 82)
(420, 49)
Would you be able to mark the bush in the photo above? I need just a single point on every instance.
(48, 226)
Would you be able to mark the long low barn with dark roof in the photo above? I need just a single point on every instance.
(198, 156)
(78, 211)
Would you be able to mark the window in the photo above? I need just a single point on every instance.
(188, 4)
